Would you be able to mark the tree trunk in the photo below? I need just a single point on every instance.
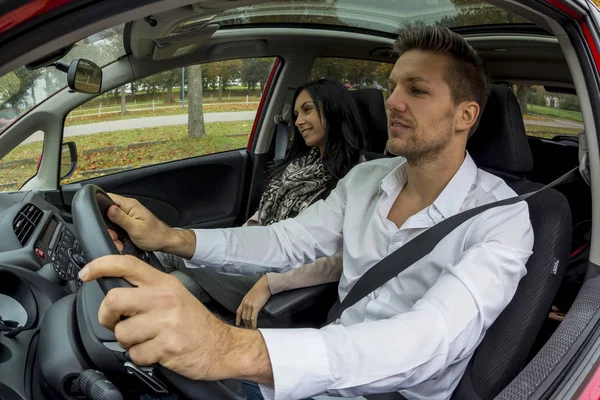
(123, 101)
(195, 112)
(220, 88)
(33, 94)
(522, 92)
(169, 98)
(49, 85)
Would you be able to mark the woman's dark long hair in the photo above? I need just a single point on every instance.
(345, 131)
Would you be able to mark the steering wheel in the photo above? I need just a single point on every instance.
(90, 206)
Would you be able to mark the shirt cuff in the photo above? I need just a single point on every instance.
(301, 369)
(210, 247)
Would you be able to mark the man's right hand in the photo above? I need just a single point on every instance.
(145, 230)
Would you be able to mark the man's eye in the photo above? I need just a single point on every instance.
(417, 91)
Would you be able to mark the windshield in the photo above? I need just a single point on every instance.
(381, 15)
(22, 89)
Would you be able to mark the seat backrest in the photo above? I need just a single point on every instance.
(372, 110)
(500, 145)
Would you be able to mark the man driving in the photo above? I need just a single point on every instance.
(417, 332)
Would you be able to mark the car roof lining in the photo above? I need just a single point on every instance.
(507, 57)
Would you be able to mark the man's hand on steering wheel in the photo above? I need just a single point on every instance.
(166, 324)
(145, 230)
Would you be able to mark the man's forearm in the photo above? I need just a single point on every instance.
(181, 242)
(245, 356)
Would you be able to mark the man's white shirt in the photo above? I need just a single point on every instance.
(417, 332)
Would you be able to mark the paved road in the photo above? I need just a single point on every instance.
(170, 120)
(149, 122)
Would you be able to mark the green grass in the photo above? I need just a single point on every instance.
(30, 150)
(219, 137)
(548, 132)
(532, 117)
(554, 112)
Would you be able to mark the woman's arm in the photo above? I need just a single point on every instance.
(323, 270)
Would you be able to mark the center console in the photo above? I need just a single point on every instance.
(59, 245)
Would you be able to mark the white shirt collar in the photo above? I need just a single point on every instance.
(450, 200)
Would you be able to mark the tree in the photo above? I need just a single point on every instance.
(21, 95)
(195, 112)
(256, 71)
(569, 102)
(168, 80)
(123, 101)
(9, 86)
(210, 75)
(522, 95)
(474, 12)
(355, 72)
(227, 71)
(331, 68)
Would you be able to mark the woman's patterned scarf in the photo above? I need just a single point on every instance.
(303, 181)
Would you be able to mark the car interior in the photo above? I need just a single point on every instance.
(525, 354)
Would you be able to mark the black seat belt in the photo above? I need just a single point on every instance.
(282, 136)
(420, 246)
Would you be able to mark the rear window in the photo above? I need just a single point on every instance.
(353, 73)
(549, 113)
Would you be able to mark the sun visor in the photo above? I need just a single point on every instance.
(180, 45)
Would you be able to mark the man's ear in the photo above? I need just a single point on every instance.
(466, 115)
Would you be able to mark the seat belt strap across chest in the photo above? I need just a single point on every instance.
(420, 246)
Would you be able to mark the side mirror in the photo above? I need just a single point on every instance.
(68, 160)
(82, 75)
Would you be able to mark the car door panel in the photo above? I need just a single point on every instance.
(201, 192)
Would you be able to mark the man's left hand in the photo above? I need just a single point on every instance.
(166, 324)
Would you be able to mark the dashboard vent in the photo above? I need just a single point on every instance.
(26, 221)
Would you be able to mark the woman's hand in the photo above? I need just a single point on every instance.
(252, 303)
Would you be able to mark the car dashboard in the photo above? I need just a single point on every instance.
(37, 238)
(40, 257)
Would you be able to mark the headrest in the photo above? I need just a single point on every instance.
(372, 110)
(500, 141)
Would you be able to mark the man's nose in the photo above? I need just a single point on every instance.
(396, 101)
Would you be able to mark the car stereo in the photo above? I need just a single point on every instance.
(59, 245)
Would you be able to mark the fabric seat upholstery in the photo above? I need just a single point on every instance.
(500, 146)
(372, 110)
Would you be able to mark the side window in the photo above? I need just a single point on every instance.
(177, 114)
(21, 163)
(354, 74)
(548, 113)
